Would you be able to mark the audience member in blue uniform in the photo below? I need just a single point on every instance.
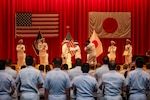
(7, 83)
(98, 74)
(138, 81)
(13, 73)
(30, 79)
(65, 68)
(57, 84)
(112, 83)
(41, 90)
(77, 70)
(85, 84)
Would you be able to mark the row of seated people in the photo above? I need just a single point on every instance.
(84, 81)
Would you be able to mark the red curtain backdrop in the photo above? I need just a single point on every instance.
(74, 13)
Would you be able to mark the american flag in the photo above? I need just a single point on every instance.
(28, 24)
(70, 43)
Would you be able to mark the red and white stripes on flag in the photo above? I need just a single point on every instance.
(70, 43)
(110, 24)
(28, 24)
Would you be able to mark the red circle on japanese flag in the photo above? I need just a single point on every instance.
(95, 43)
(110, 25)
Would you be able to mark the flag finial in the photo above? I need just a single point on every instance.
(67, 27)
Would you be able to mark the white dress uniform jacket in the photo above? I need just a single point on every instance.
(128, 54)
(20, 55)
(43, 55)
(112, 52)
(66, 56)
(91, 56)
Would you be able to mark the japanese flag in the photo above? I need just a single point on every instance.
(98, 45)
(110, 24)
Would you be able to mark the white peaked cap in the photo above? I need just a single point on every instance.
(112, 42)
(20, 41)
(128, 40)
(76, 43)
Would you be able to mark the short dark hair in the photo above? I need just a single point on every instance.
(13, 67)
(41, 67)
(78, 62)
(2, 64)
(132, 68)
(85, 67)
(23, 66)
(47, 68)
(29, 60)
(105, 60)
(148, 66)
(125, 66)
(8, 62)
(139, 62)
(112, 65)
(65, 66)
(57, 62)
(118, 67)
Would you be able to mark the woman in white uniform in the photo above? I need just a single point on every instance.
(112, 51)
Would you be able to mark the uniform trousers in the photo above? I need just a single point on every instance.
(137, 96)
(5, 97)
(57, 97)
(29, 96)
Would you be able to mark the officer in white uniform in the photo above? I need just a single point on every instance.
(91, 56)
(20, 53)
(77, 50)
(128, 52)
(112, 51)
(66, 56)
(43, 55)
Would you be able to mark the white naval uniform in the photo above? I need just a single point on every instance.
(91, 56)
(112, 52)
(77, 51)
(128, 54)
(43, 55)
(20, 55)
(66, 56)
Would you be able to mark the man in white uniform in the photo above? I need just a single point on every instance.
(43, 55)
(66, 56)
(77, 50)
(20, 53)
(112, 51)
(128, 52)
(91, 56)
